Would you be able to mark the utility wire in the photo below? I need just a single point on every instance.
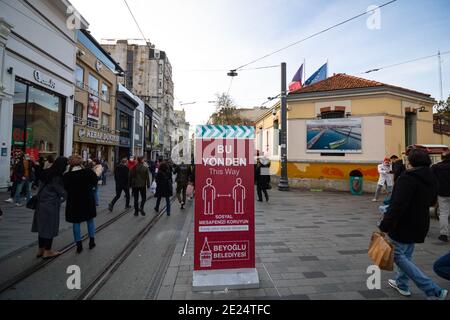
(135, 21)
(314, 35)
(402, 63)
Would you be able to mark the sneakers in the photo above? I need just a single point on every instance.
(182, 205)
(393, 284)
(19, 205)
(10, 200)
(374, 200)
(443, 238)
(442, 295)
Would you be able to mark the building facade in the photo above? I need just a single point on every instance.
(37, 53)
(96, 73)
(342, 124)
(125, 111)
(149, 76)
(181, 150)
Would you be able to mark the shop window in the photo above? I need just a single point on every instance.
(78, 112)
(105, 92)
(79, 76)
(332, 114)
(37, 121)
(93, 84)
(105, 121)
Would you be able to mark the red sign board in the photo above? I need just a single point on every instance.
(224, 198)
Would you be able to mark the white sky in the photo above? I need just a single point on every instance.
(225, 34)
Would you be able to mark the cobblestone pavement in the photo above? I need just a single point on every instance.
(308, 246)
(15, 225)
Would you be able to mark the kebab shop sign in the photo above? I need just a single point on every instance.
(224, 201)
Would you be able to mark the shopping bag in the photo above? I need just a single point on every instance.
(381, 251)
(153, 187)
(190, 191)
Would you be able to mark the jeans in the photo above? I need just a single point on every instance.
(158, 201)
(119, 190)
(20, 184)
(143, 192)
(77, 230)
(379, 187)
(181, 191)
(444, 212)
(442, 267)
(408, 270)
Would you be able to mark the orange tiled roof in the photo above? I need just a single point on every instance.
(342, 81)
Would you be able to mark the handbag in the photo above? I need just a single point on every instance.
(32, 203)
(381, 251)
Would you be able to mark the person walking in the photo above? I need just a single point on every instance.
(397, 167)
(25, 176)
(139, 181)
(164, 187)
(98, 169)
(385, 179)
(79, 183)
(49, 199)
(441, 171)
(442, 266)
(183, 173)
(121, 176)
(407, 222)
(49, 162)
(131, 163)
(262, 177)
(192, 181)
(105, 171)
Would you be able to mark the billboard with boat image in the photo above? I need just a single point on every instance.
(341, 135)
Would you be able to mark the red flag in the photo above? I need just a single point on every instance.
(296, 83)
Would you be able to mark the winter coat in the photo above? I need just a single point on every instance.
(139, 177)
(163, 185)
(79, 184)
(183, 173)
(121, 176)
(46, 216)
(408, 217)
(262, 180)
(385, 175)
(398, 168)
(442, 173)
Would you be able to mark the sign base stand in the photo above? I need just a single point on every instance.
(219, 280)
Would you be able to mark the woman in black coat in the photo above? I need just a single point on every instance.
(164, 188)
(262, 178)
(46, 216)
(79, 183)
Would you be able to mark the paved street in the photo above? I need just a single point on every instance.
(308, 246)
(15, 225)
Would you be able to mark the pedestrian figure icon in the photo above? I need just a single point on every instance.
(206, 255)
(208, 196)
(239, 197)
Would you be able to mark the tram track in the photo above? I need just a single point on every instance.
(102, 278)
(28, 272)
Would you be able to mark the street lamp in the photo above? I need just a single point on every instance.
(283, 185)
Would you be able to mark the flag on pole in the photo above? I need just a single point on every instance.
(297, 81)
(319, 75)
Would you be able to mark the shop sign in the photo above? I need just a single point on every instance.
(224, 200)
(89, 135)
(44, 80)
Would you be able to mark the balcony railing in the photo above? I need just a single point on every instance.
(85, 87)
(92, 124)
(442, 128)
